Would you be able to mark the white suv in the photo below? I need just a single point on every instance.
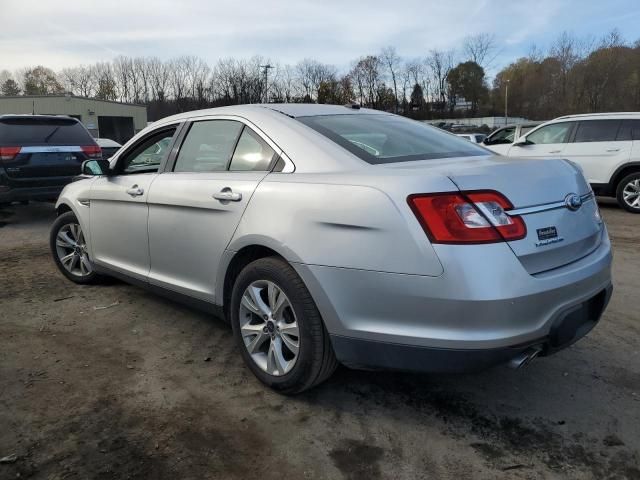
(605, 145)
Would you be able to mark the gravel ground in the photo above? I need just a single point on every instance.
(151, 389)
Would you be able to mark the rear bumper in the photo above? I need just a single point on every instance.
(484, 309)
(14, 190)
(33, 193)
(568, 328)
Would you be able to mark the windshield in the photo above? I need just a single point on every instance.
(390, 138)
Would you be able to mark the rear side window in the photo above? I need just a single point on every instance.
(208, 146)
(629, 130)
(553, 133)
(43, 131)
(597, 131)
(378, 138)
(252, 152)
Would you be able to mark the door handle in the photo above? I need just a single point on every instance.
(555, 151)
(227, 195)
(135, 191)
(613, 149)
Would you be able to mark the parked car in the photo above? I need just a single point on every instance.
(109, 147)
(473, 137)
(328, 234)
(40, 154)
(501, 139)
(606, 146)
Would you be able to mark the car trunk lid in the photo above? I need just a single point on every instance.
(540, 191)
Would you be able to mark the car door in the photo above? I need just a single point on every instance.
(118, 205)
(546, 141)
(599, 147)
(500, 140)
(196, 205)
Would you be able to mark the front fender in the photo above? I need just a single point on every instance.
(76, 196)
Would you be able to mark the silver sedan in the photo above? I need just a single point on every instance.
(334, 234)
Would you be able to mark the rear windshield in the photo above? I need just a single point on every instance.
(390, 138)
(43, 131)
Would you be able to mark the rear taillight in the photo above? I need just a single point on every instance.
(467, 217)
(8, 153)
(92, 151)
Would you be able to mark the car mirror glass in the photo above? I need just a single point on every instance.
(95, 167)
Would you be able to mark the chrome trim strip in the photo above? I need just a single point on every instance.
(545, 207)
(51, 149)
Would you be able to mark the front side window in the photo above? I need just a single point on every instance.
(379, 138)
(208, 146)
(526, 129)
(597, 131)
(553, 133)
(506, 135)
(146, 156)
(252, 152)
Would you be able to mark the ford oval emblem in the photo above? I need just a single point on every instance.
(573, 201)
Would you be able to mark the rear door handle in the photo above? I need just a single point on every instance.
(135, 191)
(613, 149)
(227, 195)
(555, 151)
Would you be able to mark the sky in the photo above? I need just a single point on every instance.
(64, 33)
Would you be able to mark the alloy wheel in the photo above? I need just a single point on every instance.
(72, 250)
(269, 327)
(631, 193)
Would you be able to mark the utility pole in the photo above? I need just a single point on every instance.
(265, 69)
(506, 100)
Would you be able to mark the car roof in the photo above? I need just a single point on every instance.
(107, 143)
(293, 110)
(600, 116)
(27, 116)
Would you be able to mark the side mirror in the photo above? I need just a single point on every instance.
(98, 166)
(486, 141)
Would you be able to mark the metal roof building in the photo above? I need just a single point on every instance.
(104, 119)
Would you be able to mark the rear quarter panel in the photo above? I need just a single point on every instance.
(338, 225)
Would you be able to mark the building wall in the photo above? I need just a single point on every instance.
(87, 110)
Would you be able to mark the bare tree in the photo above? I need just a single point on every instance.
(79, 80)
(391, 61)
(311, 74)
(440, 63)
(480, 48)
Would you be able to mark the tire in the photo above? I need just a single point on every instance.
(627, 188)
(315, 360)
(67, 241)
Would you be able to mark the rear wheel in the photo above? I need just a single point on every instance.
(628, 193)
(69, 250)
(278, 328)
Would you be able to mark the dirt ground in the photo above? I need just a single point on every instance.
(151, 389)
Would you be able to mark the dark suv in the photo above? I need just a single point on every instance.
(40, 154)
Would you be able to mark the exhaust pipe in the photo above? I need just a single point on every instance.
(525, 357)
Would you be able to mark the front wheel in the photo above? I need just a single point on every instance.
(278, 327)
(69, 250)
(628, 193)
